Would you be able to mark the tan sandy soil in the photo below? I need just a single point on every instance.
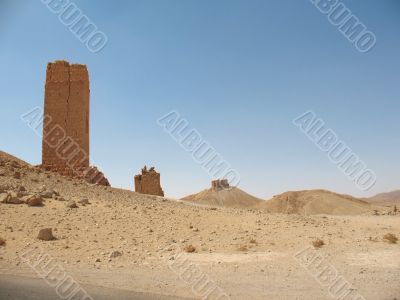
(247, 253)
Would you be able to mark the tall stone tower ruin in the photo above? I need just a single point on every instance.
(66, 118)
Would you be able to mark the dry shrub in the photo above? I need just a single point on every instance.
(390, 238)
(318, 243)
(189, 249)
(253, 241)
(2, 242)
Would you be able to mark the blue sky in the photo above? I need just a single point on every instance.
(238, 71)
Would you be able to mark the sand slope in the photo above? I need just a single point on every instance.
(8, 157)
(316, 202)
(233, 197)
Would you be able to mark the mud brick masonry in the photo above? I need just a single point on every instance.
(148, 182)
(219, 184)
(65, 147)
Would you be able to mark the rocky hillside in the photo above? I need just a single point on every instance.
(316, 202)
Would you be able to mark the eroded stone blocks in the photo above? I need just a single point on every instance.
(148, 182)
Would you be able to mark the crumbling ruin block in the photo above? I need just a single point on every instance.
(65, 144)
(220, 184)
(148, 182)
(66, 117)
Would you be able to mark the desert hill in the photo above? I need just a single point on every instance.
(8, 157)
(311, 202)
(386, 198)
(231, 197)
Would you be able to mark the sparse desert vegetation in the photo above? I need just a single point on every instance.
(390, 238)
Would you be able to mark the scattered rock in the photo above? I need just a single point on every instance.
(115, 254)
(21, 188)
(15, 164)
(2, 242)
(390, 238)
(94, 176)
(84, 201)
(72, 204)
(12, 198)
(17, 175)
(3, 197)
(34, 201)
(47, 194)
(243, 248)
(4, 188)
(189, 249)
(46, 234)
(318, 243)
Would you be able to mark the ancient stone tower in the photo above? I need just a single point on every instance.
(148, 182)
(66, 118)
(219, 184)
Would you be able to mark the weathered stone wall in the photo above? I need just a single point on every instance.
(148, 182)
(219, 184)
(66, 111)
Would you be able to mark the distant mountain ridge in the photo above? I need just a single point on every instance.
(386, 198)
(311, 202)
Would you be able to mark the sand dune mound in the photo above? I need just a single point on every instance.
(231, 197)
(386, 198)
(316, 202)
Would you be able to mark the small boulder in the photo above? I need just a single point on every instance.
(3, 197)
(4, 188)
(12, 198)
(47, 194)
(72, 204)
(46, 234)
(115, 254)
(84, 201)
(21, 188)
(34, 200)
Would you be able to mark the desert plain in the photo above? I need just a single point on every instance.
(112, 238)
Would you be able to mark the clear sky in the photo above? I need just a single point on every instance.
(238, 70)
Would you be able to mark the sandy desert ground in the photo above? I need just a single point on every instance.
(132, 242)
